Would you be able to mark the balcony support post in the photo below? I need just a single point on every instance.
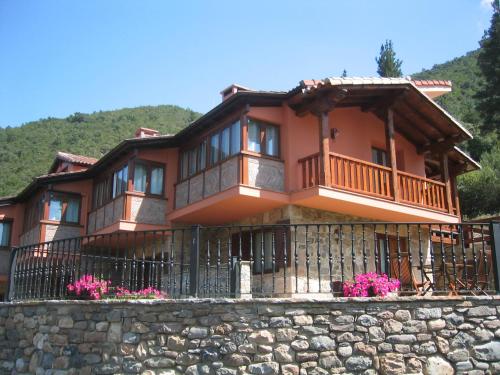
(324, 147)
(391, 148)
(445, 173)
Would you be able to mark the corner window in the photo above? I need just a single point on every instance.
(64, 208)
(214, 149)
(202, 155)
(5, 229)
(263, 138)
(140, 177)
(224, 147)
(235, 138)
(120, 179)
(148, 178)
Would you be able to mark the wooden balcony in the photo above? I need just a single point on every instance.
(366, 178)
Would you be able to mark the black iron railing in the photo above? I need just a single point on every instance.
(266, 260)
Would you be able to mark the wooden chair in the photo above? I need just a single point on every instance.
(404, 273)
(470, 281)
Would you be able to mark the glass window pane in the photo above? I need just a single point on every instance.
(253, 136)
(115, 182)
(214, 149)
(225, 143)
(124, 179)
(140, 175)
(202, 156)
(55, 209)
(272, 141)
(192, 161)
(4, 234)
(235, 138)
(157, 180)
(72, 209)
(184, 165)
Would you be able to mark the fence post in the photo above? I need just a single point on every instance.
(10, 281)
(194, 260)
(495, 252)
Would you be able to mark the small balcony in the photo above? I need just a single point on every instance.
(370, 180)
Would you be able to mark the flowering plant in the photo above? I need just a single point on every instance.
(147, 293)
(370, 284)
(88, 287)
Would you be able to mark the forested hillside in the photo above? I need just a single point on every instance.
(466, 78)
(29, 150)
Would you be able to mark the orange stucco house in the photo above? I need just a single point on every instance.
(338, 149)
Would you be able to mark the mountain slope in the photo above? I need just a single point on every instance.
(29, 150)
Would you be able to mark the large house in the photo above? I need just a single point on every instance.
(327, 151)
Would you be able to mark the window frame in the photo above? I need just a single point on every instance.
(380, 151)
(64, 197)
(262, 126)
(106, 186)
(149, 165)
(11, 225)
(184, 171)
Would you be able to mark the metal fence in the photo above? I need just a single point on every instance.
(280, 260)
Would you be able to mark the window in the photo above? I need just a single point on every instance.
(202, 155)
(5, 228)
(263, 138)
(253, 136)
(224, 144)
(214, 149)
(33, 213)
(263, 246)
(221, 145)
(157, 180)
(192, 161)
(379, 156)
(148, 177)
(120, 179)
(140, 177)
(235, 138)
(64, 208)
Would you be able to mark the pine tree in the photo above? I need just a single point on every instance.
(344, 73)
(388, 64)
(489, 63)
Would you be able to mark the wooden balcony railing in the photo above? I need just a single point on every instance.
(367, 178)
(360, 176)
(422, 191)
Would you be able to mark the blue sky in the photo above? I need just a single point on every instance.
(61, 57)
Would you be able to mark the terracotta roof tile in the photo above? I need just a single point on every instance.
(431, 82)
(77, 159)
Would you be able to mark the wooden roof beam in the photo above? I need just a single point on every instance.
(413, 125)
(443, 145)
(423, 117)
(323, 102)
(386, 101)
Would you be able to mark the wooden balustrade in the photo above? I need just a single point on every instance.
(360, 176)
(372, 179)
(311, 175)
(422, 191)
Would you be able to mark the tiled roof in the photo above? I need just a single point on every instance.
(430, 82)
(77, 159)
(338, 81)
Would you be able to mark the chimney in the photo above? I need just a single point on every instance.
(145, 132)
(233, 89)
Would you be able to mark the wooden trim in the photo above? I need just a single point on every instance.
(361, 161)
(421, 178)
(446, 179)
(391, 146)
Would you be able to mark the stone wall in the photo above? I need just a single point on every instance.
(30, 237)
(60, 232)
(106, 215)
(266, 174)
(361, 336)
(148, 210)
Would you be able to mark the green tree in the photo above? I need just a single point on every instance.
(388, 64)
(489, 63)
(480, 190)
(344, 73)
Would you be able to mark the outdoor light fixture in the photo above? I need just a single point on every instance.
(334, 132)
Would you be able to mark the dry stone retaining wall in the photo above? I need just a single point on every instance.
(268, 336)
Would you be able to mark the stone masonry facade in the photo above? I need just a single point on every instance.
(404, 335)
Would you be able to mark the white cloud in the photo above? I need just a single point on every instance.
(486, 4)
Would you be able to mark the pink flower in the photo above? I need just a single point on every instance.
(89, 286)
(370, 284)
